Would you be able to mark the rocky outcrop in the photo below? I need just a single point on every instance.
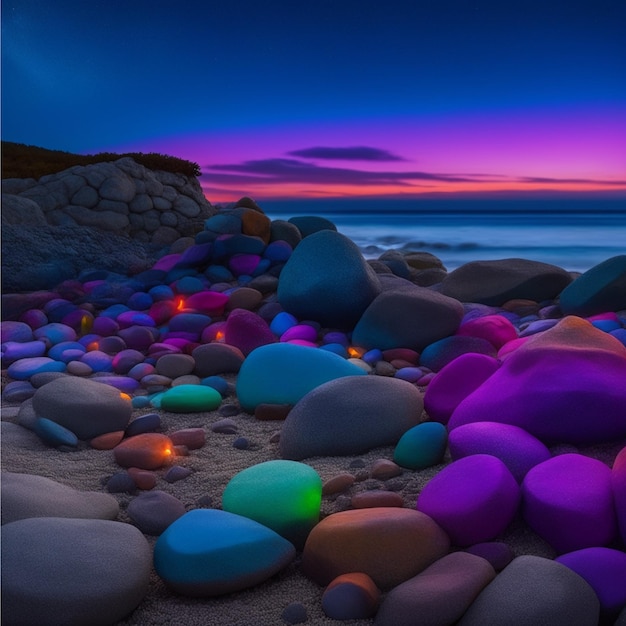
(118, 216)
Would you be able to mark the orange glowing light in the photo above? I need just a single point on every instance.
(124, 396)
(219, 335)
(355, 353)
(86, 323)
(180, 304)
(167, 451)
(92, 346)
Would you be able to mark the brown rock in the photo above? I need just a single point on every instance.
(107, 441)
(351, 596)
(191, 438)
(256, 224)
(146, 451)
(337, 484)
(383, 469)
(376, 498)
(142, 478)
(388, 544)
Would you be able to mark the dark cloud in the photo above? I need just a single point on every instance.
(353, 153)
(572, 181)
(295, 171)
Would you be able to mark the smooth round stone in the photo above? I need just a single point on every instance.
(515, 447)
(154, 511)
(146, 451)
(244, 298)
(140, 402)
(87, 571)
(384, 469)
(618, 483)
(246, 330)
(54, 434)
(121, 482)
(537, 326)
(421, 446)
(134, 318)
(141, 370)
(193, 323)
(218, 383)
(175, 365)
(14, 350)
(300, 331)
(336, 337)
(188, 379)
(337, 484)
(35, 318)
(123, 383)
(440, 594)
(388, 544)
(278, 251)
(605, 570)
(98, 361)
(311, 224)
(351, 596)
(533, 590)
(112, 344)
(472, 499)
(440, 353)
(161, 292)
(568, 501)
(138, 337)
(54, 333)
(192, 438)
(29, 495)
(66, 351)
(349, 415)
(190, 555)
(148, 423)
(499, 554)
(23, 369)
(376, 498)
(144, 479)
(140, 301)
(188, 285)
(225, 426)
(18, 391)
(336, 348)
(107, 441)
(243, 264)
(125, 360)
(177, 472)
(190, 398)
(15, 331)
(496, 329)
(282, 495)
(79, 319)
(282, 373)
(410, 374)
(105, 326)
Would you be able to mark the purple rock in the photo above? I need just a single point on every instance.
(35, 318)
(105, 326)
(15, 331)
(246, 330)
(176, 473)
(98, 361)
(499, 554)
(243, 264)
(618, 482)
(123, 383)
(138, 337)
(15, 350)
(55, 333)
(125, 360)
(148, 423)
(300, 331)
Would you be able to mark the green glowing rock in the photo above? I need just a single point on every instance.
(421, 446)
(282, 495)
(189, 398)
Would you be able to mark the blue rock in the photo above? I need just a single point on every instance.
(14, 350)
(223, 224)
(140, 301)
(438, 354)
(189, 322)
(282, 373)
(278, 251)
(148, 423)
(282, 322)
(18, 391)
(310, 224)
(54, 434)
(58, 351)
(140, 402)
(218, 274)
(15, 331)
(161, 292)
(313, 284)
(54, 333)
(196, 255)
(188, 285)
(421, 446)
(218, 383)
(25, 368)
(98, 361)
(598, 290)
(208, 552)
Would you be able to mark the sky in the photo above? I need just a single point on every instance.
(283, 99)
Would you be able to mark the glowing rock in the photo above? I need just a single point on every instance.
(189, 398)
(421, 446)
(282, 495)
(146, 451)
(208, 552)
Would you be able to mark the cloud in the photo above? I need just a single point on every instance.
(354, 153)
(280, 170)
(572, 181)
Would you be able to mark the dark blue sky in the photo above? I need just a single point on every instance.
(503, 90)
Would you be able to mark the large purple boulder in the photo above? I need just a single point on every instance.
(563, 385)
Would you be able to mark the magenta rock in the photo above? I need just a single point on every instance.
(162, 310)
(300, 331)
(455, 382)
(177, 343)
(605, 570)
(206, 302)
(564, 385)
(302, 342)
(568, 501)
(511, 346)
(213, 332)
(516, 448)
(134, 318)
(618, 482)
(123, 383)
(167, 262)
(472, 499)
(243, 264)
(105, 326)
(246, 330)
(496, 329)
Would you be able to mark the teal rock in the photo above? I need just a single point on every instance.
(282, 495)
(190, 398)
(282, 373)
(54, 434)
(350, 415)
(310, 224)
(326, 279)
(407, 316)
(208, 552)
(600, 289)
(421, 446)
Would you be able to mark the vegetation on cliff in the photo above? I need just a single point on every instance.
(22, 161)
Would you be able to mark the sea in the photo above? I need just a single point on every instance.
(575, 241)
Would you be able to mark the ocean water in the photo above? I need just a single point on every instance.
(573, 241)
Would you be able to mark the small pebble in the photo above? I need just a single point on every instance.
(176, 473)
(241, 443)
(225, 426)
(383, 469)
(294, 613)
(337, 484)
(121, 482)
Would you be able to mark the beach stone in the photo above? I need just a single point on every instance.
(496, 329)
(535, 591)
(143, 479)
(190, 555)
(121, 482)
(294, 613)
(217, 358)
(29, 495)
(85, 407)
(177, 472)
(146, 451)
(18, 391)
(23, 369)
(572, 370)
(515, 447)
(472, 499)
(125, 360)
(601, 288)
(152, 512)
(498, 553)
(246, 330)
(618, 483)
(107, 441)
(439, 595)
(568, 501)
(244, 298)
(407, 316)
(351, 596)
(282, 495)
(495, 282)
(193, 438)
(190, 398)
(54, 434)
(438, 354)
(19, 332)
(455, 381)
(15, 350)
(192, 323)
(282, 373)
(605, 571)
(350, 415)
(384, 469)
(174, 365)
(388, 544)
(282, 230)
(313, 286)
(89, 571)
(311, 224)
(272, 411)
(376, 498)
(421, 446)
(225, 426)
(337, 484)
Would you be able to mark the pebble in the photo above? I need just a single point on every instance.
(176, 473)
(225, 426)
(154, 511)
(337, 484)
(498, 553)
(18, 391)
(217, 358)
(54, 434)
(121, 482)
(193, 438)
(147, 423)
(146, 451)
(421, 446)
(143, 479)
(25, 368)
(294, 613)
(384, 469)
(376, 498)
(190, 398)
(241, 443)
(351, 596)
